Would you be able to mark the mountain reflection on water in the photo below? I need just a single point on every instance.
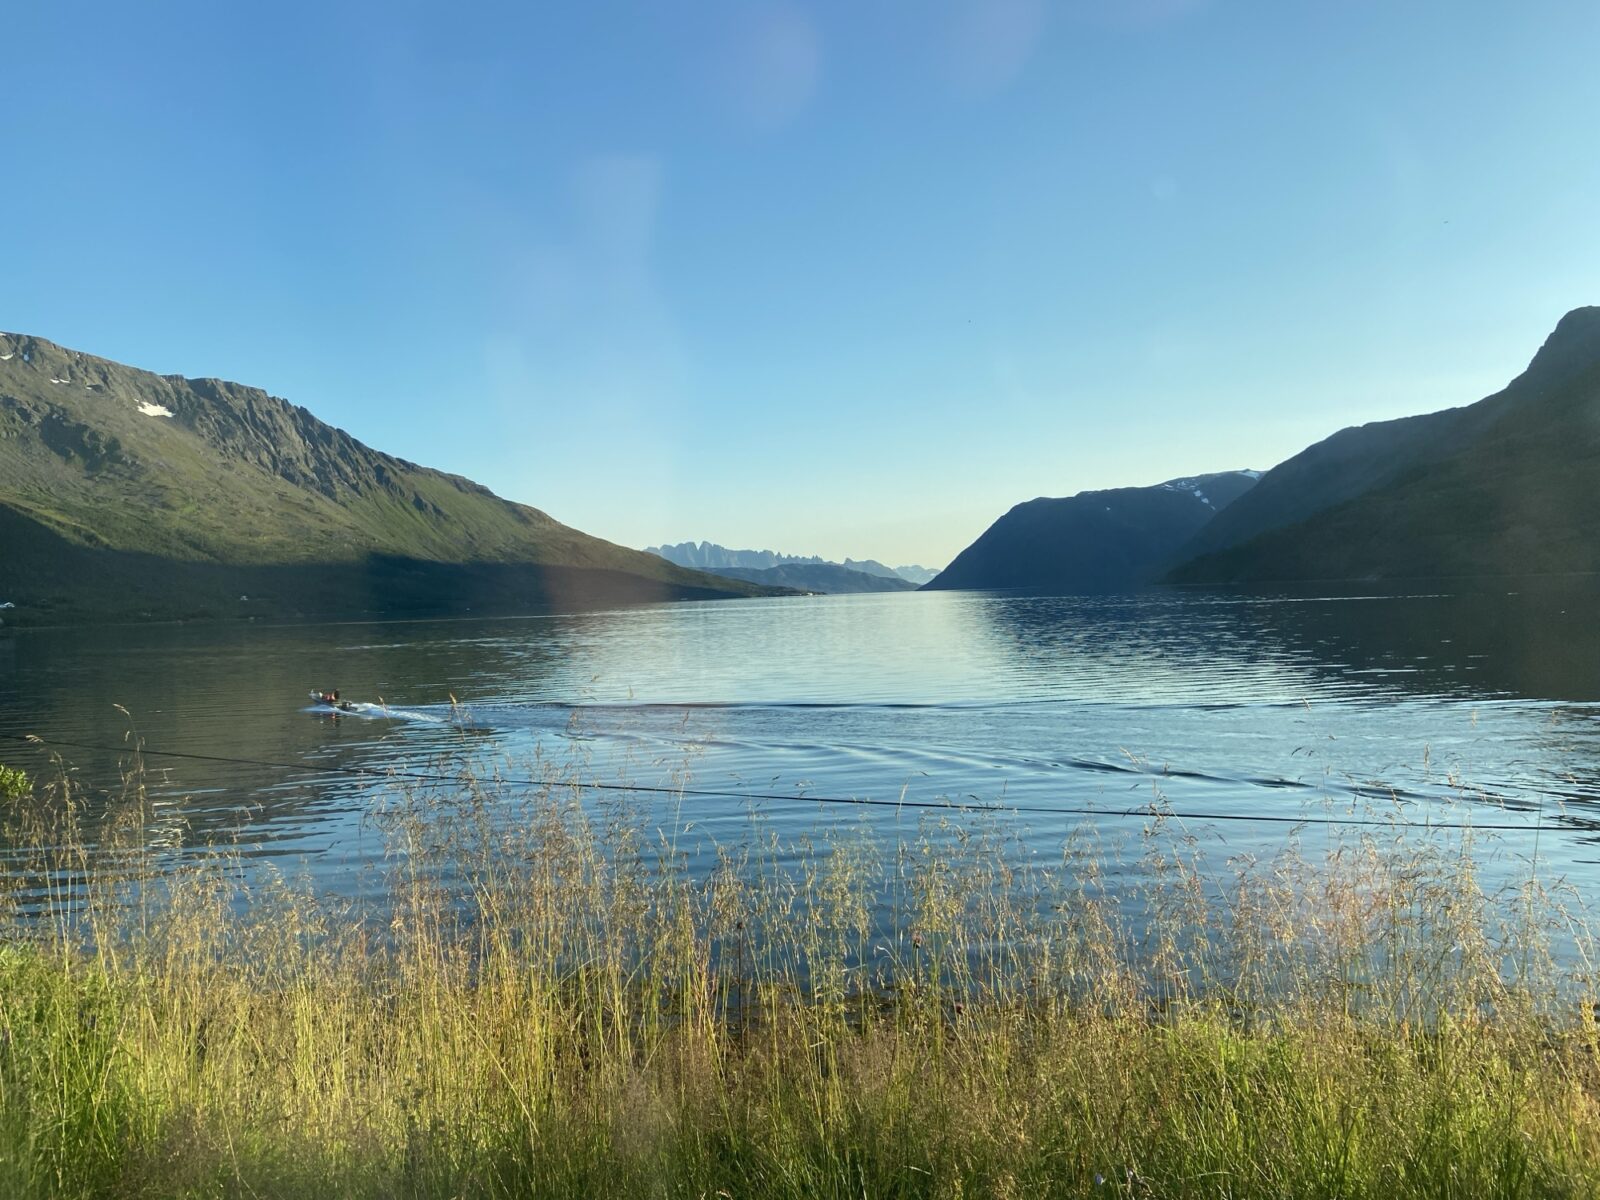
(1432, 704)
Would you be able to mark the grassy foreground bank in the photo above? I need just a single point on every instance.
(556, 1006)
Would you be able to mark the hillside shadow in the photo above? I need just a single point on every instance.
(52, 579)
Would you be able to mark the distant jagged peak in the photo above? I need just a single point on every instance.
(917, 573)
(710, 556)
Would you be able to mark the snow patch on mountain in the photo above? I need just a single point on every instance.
(1191, 485)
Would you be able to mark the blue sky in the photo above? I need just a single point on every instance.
(848, 279)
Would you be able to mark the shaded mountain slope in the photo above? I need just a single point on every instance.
(830, 578)
(147, 469)
(1507, 486)
(1337, 469)
(1094, 541)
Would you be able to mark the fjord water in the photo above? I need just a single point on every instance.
(1434, 705)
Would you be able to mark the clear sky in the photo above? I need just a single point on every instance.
(848, 279)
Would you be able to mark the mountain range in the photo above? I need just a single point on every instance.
(917, 574)
(125, 493)
(129, 494)
(1509, 485)
(708, 556)
(1102, 541)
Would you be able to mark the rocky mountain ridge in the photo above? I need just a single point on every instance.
(101, 458)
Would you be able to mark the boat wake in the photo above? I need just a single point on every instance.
(368, 711)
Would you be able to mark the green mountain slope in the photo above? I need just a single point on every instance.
(1507, 486)
(1094, 541)
(188, 492)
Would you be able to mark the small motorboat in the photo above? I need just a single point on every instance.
(330, 700)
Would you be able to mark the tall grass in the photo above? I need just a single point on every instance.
(554, 1004)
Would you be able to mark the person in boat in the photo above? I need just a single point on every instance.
(331, 699)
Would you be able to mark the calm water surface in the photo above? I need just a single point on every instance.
(1433, 706)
